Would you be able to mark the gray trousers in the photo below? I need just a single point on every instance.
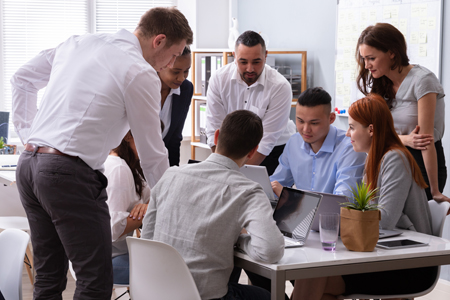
(65, 202)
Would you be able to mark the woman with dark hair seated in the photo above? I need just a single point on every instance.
(128, 196)
(391, 168)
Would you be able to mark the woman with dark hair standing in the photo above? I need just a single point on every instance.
(414, 96)
(391, 168)
(176, 95)
(128, 196)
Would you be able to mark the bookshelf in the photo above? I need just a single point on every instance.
(226, 54)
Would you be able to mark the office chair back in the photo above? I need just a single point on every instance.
(13, 244)
(155, 269)
(438, 212)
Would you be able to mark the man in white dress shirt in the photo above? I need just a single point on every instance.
(98, 87)
(250, 84)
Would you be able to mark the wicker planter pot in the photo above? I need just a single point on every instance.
(360, 230)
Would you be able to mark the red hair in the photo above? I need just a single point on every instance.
(373, 109)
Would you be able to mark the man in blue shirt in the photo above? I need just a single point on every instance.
(319, 157)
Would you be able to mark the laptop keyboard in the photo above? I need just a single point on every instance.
(288, 243)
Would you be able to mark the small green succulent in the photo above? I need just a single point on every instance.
(2, 143)
(363, 198)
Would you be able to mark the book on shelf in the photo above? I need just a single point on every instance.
(202, 117)
(210, 64)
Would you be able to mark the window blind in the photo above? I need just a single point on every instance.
(29, 27)
(113, 15)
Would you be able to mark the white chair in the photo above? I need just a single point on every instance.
(12, 215)
(13, 243)
(155, 268)
(438, 213)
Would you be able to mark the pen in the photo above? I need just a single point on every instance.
(9, 166)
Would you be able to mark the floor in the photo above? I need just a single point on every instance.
(441, 291)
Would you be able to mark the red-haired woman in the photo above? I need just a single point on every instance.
(392, 169)
(414, 96)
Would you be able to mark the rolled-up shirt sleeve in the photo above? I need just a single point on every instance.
(25, 85)
(215, 109)
(142, 102)
(275, 118)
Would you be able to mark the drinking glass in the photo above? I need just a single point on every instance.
(329, 229)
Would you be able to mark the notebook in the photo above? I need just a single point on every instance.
(294, 215)
(259, 174)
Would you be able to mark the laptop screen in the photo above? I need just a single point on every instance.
(295, 211)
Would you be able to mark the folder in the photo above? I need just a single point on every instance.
(202, 117)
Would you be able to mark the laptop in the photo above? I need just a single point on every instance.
(331, 204)
(259, 174)
(294, 215)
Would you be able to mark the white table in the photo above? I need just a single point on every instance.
(8, 177)
(311, 261)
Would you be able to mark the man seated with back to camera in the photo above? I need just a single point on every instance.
(200, 210)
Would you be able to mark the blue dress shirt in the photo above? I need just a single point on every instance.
(333, 169)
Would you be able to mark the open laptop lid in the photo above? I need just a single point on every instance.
(295, 211)
(259, 174)
(330, 204)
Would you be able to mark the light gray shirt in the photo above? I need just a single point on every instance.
(200, 210)
(403, 202)
(419, 82)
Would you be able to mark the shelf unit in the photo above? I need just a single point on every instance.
(198, 98)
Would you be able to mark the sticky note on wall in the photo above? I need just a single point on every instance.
(414, 39)
(422, 50)
(422, 37)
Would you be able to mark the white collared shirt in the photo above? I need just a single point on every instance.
(270, 97)
(98, 87)
(166, 111)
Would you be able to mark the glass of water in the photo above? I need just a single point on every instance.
(329, 230)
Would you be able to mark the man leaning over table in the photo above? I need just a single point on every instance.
(248, 83)
(98, 86)
(200, 210)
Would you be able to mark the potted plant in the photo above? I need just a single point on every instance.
(360, 220)
(2, 144)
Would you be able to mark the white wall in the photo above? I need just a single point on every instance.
(301, 25)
